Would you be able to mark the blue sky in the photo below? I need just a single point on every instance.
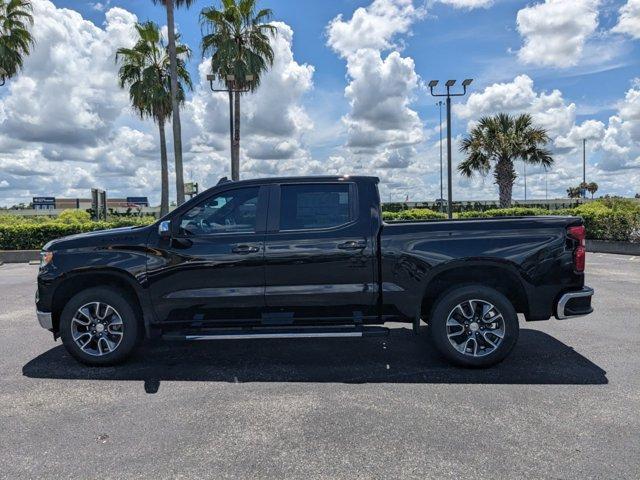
(355, 99)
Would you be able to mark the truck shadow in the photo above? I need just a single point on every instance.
(402, 357)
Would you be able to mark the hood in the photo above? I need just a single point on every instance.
(98, 238)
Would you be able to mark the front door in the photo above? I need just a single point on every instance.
(211, 270)
(319, 257)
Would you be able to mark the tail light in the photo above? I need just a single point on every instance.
(579, 254)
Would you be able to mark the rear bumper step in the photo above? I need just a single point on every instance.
(575, 304)
(266, 333)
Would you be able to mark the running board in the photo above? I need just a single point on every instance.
(266, 333)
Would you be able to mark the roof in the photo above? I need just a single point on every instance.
(307, 179)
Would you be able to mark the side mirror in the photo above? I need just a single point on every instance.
(164, 229)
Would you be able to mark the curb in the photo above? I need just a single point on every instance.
(620, 248)
(19, 256)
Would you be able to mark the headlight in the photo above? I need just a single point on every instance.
(46, 258)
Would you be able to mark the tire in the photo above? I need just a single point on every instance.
(483, 316)
(108, 344)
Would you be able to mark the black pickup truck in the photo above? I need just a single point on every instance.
(305, 258)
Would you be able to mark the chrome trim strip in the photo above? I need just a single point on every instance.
(217, 292)
(248, 336)
(562, 303)
(45, 320)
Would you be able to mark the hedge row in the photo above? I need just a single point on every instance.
(413, 214)
(26, 235)
(614, 220)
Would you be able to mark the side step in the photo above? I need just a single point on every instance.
(262, 332)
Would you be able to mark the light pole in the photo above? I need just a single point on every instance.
(525, 180)
(546, 183)
(584, 167)
(440, 103)
(449, 84)
(232, 87)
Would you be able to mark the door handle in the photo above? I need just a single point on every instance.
(245, 249)
(353, 245)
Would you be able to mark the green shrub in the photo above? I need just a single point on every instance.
(505, 212)
(412, 214)
(611, 219)
(74, 216)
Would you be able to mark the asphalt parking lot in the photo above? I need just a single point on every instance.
(565, 404)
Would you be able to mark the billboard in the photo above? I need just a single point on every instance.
(137, 201)
(44, 203)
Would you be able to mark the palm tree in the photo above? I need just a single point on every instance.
(15, 38)
(497, 142)
(239, 42)
(175, 104)
(145, 70)
(574, 192)
(592, 188)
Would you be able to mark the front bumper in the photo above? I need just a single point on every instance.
(45, 320)
(574, 304)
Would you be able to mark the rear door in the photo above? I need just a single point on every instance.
(319, 257)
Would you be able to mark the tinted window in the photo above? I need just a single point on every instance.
(314, 206)
(231, 211)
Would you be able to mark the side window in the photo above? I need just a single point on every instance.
(307, 206)
(231, 211)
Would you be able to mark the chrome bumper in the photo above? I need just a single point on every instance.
(561, 309)
(44, 319)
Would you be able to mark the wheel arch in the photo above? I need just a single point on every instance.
(503, 278)
(76, 282)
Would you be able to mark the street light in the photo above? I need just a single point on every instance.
(584, 167)
(237, 88)
(3, 74)
(449, 84)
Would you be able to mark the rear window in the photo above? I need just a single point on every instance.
(308, 206)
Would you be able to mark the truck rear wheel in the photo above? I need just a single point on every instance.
(474, 326)
(99, 327)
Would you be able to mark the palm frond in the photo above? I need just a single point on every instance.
(238, 40)
(16, 39)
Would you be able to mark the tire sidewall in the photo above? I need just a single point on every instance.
(119, 301)
(446, 303)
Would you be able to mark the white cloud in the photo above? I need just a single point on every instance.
(621, 141)
(100, 6)
(588, 130)
(382, 129)
(372, 27)
(549, 110)
(629, 20)
(68, 92)
(468, 4)
(555, 31)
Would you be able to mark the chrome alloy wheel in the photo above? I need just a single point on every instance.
(97, 328)
(475, 328)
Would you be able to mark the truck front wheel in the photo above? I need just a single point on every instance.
(99, 327)
(474, 326)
